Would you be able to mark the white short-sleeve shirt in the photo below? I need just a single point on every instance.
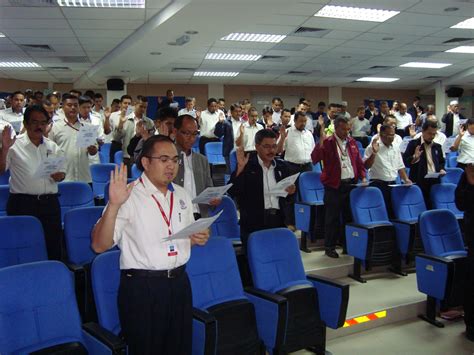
(387, 162)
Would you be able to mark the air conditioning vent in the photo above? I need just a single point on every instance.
(183, 70)
(381, 67)
(458, 40)
(36, 48)
(73, 59)
(58, 68)
(273, 58)
(310, 32)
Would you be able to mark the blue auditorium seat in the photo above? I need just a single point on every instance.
(227, 225)
(407, 203)
(442, 197)
(21, 241)
(5, 178)
(104, 153)
(440, 272)
(4, 194)
(317, 168)
(309, 207)
(38, 313)
(118, 157)
(195, 147)
(213, 152)
(218, 297)
(136, 173)
(371, 237)
(453, 175)
(74, 194)
(233, 160)
(293, 309)
(100, 176)
(452, 161)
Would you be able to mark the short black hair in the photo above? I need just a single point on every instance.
(189, 99)
(340, 119)
(142, 98)
(285, 110)
(98, 96)
(301, 100)
(233, 107)
(298, 114)
(429, 124)
(79, 93)
(386, 127)
(166, 112)
(17, 93)
(178, 123)
(267, 110)
(221, 99)
(51, 95)
(470, 121)
(84, 99)
(332, 104)
(211, 100)
(148, 147)
(124, 97)
(69, 97)
(169, 91)
(35, 108)
(115, 101)
(321, 103)
(276, 99)
(89, 93)
(264, 133)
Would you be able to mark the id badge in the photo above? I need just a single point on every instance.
(172, 251)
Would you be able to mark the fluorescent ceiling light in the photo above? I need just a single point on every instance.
(378, 80)
(253, 37)
(229, 56)
(2, 35)
(425, 65)
(216, 73)
(461, 49)
(466, 24)
(120, 4)
(19, 65)
(356, 13)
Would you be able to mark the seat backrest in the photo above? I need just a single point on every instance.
(274, 259)
(118, 157)
(453, 175)
(317, 168)
(78, 225)
(310, 187)
(5, 178)
(104, 153)
(213, 152)
(452, 161)
(233, 161)
(4, 194)
(214, 274)
(442, 197)
(21, 240)
(227, 225)
(37, 307)
(136, 173)
(100, 176)
(367, 205)
(407, 202)
(73, 194)
(440, 232)
(105, 277)
(196, 144)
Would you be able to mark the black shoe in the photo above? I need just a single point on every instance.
(332, 254)
(470, 333)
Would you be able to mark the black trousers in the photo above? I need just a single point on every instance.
(48, 211)
(425, 186)
(386, 192)
(114, 148)
(156, 314)
(336, 205)
(469, 289)
(202, 142)
(290, 207)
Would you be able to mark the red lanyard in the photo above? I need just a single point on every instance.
(166, 219)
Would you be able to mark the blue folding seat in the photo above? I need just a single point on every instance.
(4, 194)
(21, 240)
(407, 204)
(371, 237)
(104, 153)
(39, 315)
(227, 225)
(442, 197)
(218, 297)
(309, 207)
(453, 175)
(233, 161)
(100, 176)
(293, 309)
(452, 161)
(5, 178)
(195, 147)
(213, 152)
(74, 194)
(440, 272)
(136, 173)
(317, 168)
(118, 157)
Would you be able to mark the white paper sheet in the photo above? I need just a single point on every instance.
(282, 185)
(49, 166)
(362, 184)
(87, 136)
(16, 125)
(432, 175)
(196, 227)
(404, 185)
(211, 193)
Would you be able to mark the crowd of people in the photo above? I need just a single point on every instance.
(269, 146)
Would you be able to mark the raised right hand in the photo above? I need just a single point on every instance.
(375, 145)
(242, 158)
(418, 151)
(119, 192)
(107, 113)
(7, 140)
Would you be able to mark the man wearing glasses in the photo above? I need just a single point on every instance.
(154, 300)
(194, 173)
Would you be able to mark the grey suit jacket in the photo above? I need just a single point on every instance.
(201, 172)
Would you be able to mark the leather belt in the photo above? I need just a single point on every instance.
(169, 274)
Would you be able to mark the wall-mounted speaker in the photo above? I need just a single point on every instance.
(454, 92)
(115, 84)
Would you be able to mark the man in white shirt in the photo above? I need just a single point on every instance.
(14, 115)
(229, 130)
(207, 123)
(114, 124)
(248, 130)
(465, 144)
(98, 100)
(452, 119)
(344, 110)
(277, 106)
(188, 109)
(154, 300)
(65, 134)
(384, 162)
(303, 107)
(360, 127)
(87, 115)
(404, 120)
(31, 195)
(392, 121)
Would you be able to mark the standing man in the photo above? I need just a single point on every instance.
(361, 127)
(14, 115)
(207, 123)
(344, 110)
(371, 111)
(164, 122)
(98, 100)
(378, 119)
(404, 120)
(87, 115)
(188, 107)
(168, 101)
(465, 144)
(114, 124)
(154, 298)
(255, 176)
(424, 156)
(343, 167)
(194, 172)
(415, 109)
(277, 106)
(29, 195)
(229, 128)
(248, 130)
(451, 119)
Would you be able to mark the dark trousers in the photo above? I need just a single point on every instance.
(336, 205)
(114, 148)
(290, 207)
(202, 142)
(48, 211)
(363, 140)
(386, 192)
(469, 289)
(156, 314)
(425, 186)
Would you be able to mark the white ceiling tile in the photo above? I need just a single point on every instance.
(394, 29)
(417, 19)
(156, 4)
(105, 35)
(38, 33)
(25, 12)
(437, 8)
(345, 35)
(103, 14)
(106, 24)
(34, 24)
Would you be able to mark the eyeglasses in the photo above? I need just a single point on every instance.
(165, 159)
(39, 123)
(189, 134)
(269, 146)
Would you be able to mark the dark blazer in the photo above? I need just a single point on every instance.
(419, 170)
(225, 129)
(448, 120)
(248, 191)
(464, 198)
(376, 120)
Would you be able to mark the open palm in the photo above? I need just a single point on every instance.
(119, 192)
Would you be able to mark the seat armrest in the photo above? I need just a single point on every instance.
(369, 226)
(403, 221)
(74, 267)
(333, 299)
(204, 332)
(109, 339)
(319, 203)
(268, 296)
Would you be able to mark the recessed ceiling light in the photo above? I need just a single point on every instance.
(346, 57)
(425, 65)
(215, 73)
(378, 80)
(461, 49)
(387, 39)
(466, 24)
(2, 35)
(191, 32)
(155, 53)
(356, 13)
(253, 37)
(232, 56)
(19, 65)
(451, 9)
(121, 4)
(125, 71)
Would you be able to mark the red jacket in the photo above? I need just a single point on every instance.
(331, 175)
